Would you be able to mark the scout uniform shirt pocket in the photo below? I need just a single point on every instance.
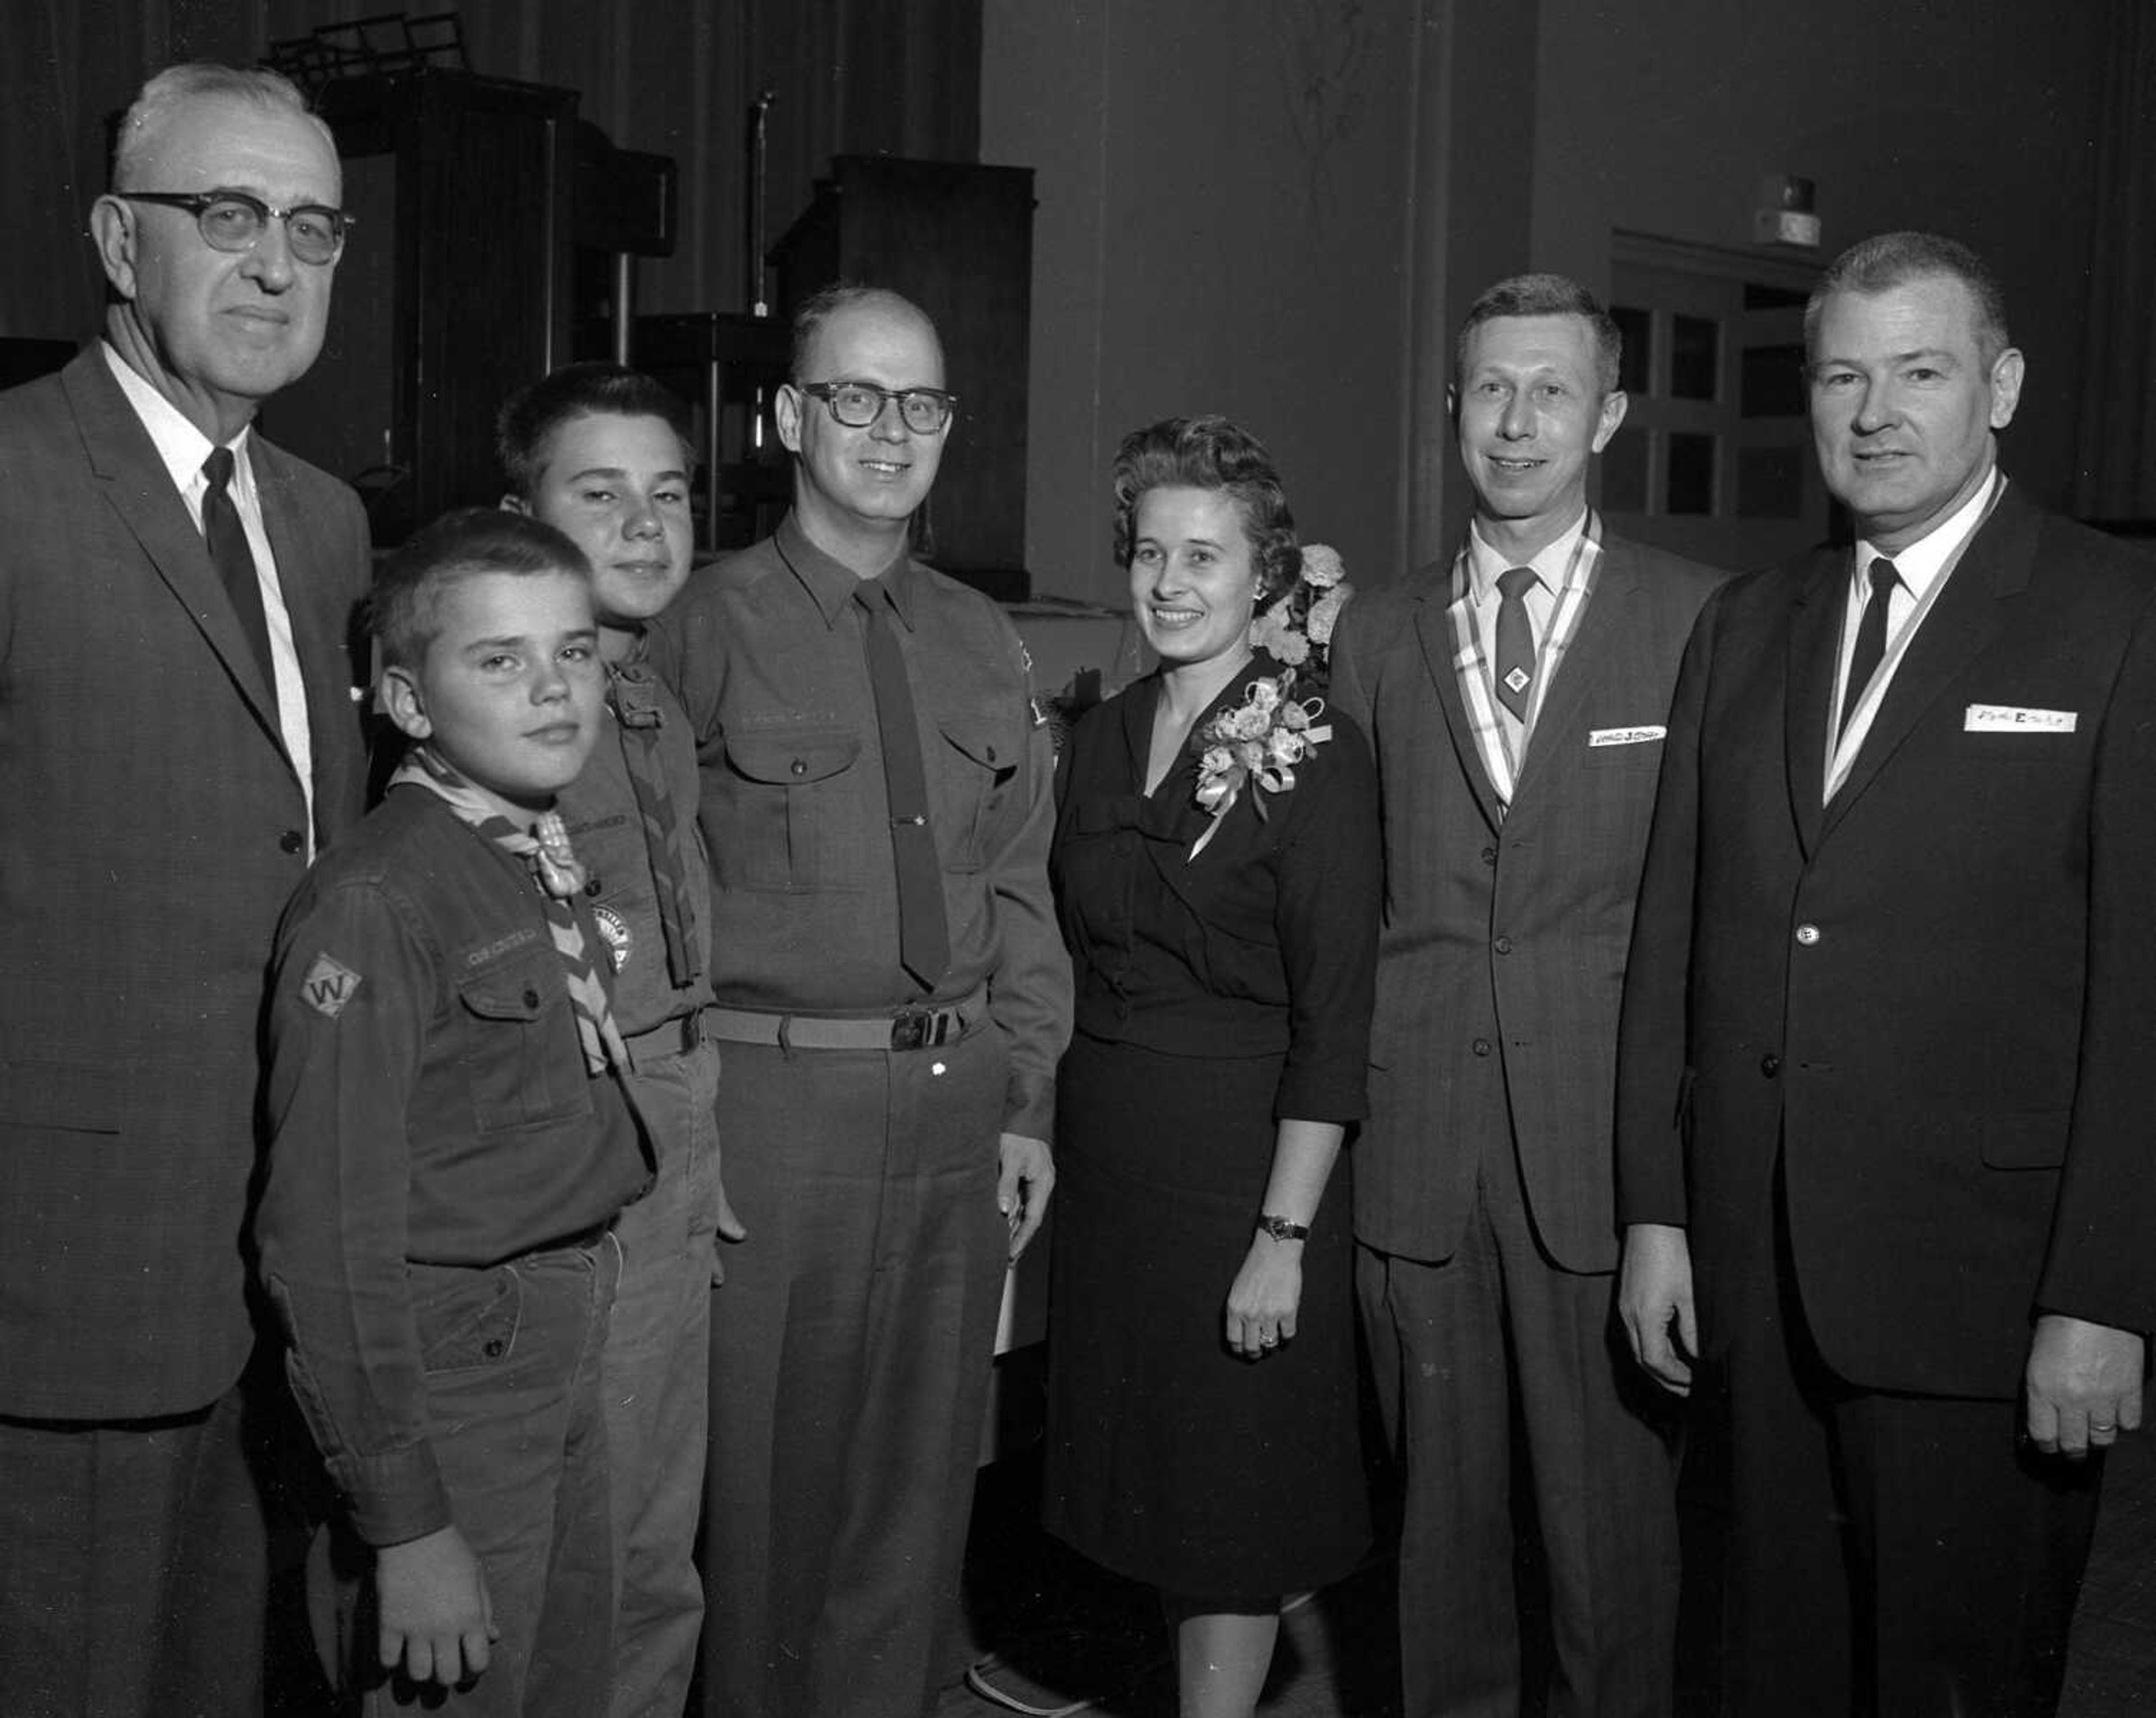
(972, 790)
(795, 811)
(525, 1063)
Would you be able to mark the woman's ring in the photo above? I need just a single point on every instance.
(1270, 1339)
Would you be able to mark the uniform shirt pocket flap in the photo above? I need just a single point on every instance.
(787, 757)
(515, 994)
(990, 743)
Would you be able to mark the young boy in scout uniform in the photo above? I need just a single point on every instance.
(450, 1143)
(601, 453)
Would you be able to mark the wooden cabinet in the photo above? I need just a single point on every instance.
(727, 366)
(471, 197)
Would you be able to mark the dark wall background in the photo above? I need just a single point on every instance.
(672, 76)
(1278, 208)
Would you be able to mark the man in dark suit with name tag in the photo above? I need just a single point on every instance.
(1516, 697)
(177, 736)
(1885, 1101)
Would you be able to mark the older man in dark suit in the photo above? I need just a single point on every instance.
(1515, 696)
(177, 735)
(1886, 1099)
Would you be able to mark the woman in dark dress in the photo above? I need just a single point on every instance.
(1216, 864)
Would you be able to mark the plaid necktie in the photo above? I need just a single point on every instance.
(227, 538)
(545, 849)
(636, 707)
(1515, 640)
(924, 938)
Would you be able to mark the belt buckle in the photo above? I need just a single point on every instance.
(910, 1028)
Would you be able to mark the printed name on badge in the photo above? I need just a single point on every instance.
(2011, 719)
(1626, 737)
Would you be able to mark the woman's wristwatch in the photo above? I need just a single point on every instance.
(1280, 1229)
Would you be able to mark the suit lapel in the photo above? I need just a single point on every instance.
(1434, 631)
(318, 634)
(140, 489)
(1964, 622)
(1808, 686)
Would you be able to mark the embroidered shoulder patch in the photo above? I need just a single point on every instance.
(328, 985)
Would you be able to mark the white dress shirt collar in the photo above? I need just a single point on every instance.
(1922, 563)
(180, 444)
(1551, 562)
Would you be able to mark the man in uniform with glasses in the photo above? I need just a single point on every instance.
(178, 735)
(892, 998)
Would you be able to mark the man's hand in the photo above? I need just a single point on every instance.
(2084, 1385)
(436, 1618)
(1022, 1190)
(1654, 1291)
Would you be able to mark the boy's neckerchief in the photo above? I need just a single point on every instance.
(545, 849)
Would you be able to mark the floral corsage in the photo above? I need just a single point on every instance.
(1262, 739)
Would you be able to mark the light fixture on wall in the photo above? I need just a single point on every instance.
(1782, 213)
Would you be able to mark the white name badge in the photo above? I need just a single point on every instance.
(1626, 737)
(2011, 719)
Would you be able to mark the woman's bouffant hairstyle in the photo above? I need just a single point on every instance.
(1210, 453)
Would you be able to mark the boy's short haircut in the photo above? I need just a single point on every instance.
(471, 540)
(531, 414)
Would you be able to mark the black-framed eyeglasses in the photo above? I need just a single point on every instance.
(858, 404)
(235, 221)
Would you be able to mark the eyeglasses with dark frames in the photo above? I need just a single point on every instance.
(236, 220)
(858, 404)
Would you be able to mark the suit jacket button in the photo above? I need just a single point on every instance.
(1482, 1046)
(1503, 944)
(1489, 855)
(1807, 935)
(292, 841)
(1770, 1064)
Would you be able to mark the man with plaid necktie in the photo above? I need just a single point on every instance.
(1516, 696)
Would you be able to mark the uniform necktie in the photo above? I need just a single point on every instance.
(637, 708)
(227, 538)
(1871, 636)
(924, 939)
(544, 848)
(1515, 641)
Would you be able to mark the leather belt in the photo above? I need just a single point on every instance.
(677, 1036)
(916, 1027)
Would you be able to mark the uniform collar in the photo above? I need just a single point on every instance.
(832, 584)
